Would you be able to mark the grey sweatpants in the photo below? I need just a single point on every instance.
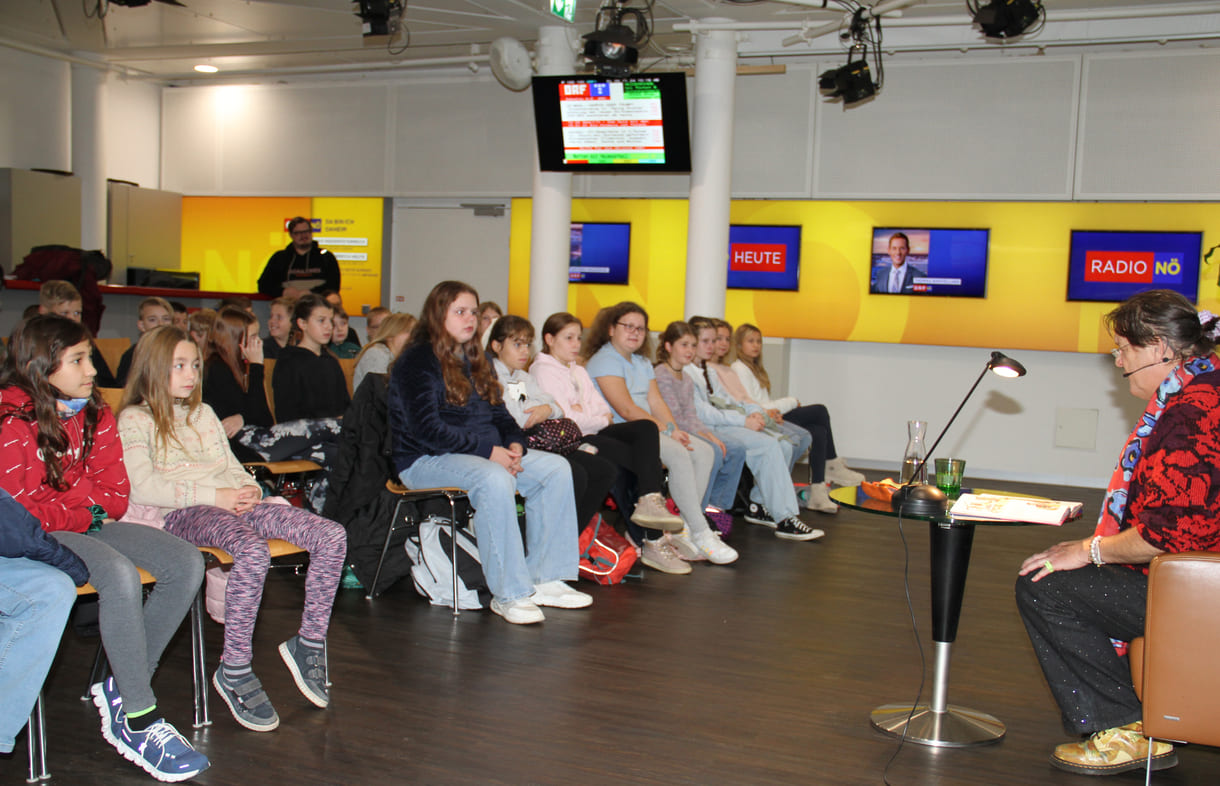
(134, 632)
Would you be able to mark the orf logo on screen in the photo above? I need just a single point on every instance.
(1124, 267)
(759, 257)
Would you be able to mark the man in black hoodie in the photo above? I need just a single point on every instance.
(302, 260)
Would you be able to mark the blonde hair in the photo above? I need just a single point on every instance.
(53, 293)
(754, 364)
(393, 325)
(154, 302)
(148, 384)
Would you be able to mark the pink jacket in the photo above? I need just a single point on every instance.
(574, 391)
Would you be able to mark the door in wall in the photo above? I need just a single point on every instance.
(435, 240)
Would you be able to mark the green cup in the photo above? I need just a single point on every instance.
(949, 476)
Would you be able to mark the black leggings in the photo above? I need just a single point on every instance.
(816, 420)
(635, 449)
(592, 479)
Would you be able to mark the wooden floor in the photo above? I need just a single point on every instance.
(760, 672)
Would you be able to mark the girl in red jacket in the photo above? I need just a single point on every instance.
(61, 458)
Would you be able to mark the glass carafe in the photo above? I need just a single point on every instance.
(915, 454)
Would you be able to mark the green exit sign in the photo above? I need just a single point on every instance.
(564, 9)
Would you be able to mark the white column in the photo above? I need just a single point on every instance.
(88, 152)
(711, 169)
(550, 229)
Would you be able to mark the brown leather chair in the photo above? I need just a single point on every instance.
(1173, 665)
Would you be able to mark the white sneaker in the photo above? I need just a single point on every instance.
(518, 612)
(685, 547)
(818, 499)
(560, 595)
(659, 555)
(838, 473)
(714, 549)
(651, 513)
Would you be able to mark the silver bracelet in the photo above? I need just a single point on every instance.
(1095, 551)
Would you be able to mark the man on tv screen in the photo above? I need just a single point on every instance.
(897, 277)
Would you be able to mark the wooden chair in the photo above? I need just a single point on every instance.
(1173, 665)
(113, 397)
(418, 495)
(112, 350)
(349, 372)
(268, 373)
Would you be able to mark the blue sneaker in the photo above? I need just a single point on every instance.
(159, 750)
(162, 752)
(110, 705)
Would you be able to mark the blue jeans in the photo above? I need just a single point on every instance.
(769, 465)
(35, 599)
(726, 475)
(550, 551)
(796, 443)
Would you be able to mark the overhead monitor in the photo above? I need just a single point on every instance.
(636, 123)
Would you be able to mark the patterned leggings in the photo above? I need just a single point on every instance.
(245, 537)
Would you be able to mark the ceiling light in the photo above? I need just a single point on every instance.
(1007, 18)
(206, 69)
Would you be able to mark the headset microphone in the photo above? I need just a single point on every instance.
(1141, 368)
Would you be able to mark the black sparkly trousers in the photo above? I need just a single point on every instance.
(1071, 616)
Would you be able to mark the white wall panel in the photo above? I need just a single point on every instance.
(461, 138)
(133, 132)
(35, 112)
(325, 139)
(1000, 129)
(1149, 127)
(1007, 430)
(191, 144)
(772, 148)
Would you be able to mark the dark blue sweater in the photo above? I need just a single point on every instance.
(425, 424)
(21, 535)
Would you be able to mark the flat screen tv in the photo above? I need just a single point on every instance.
(924, 261)
(603, 124)
(764, 257)
(1112, 266)
(600, 253)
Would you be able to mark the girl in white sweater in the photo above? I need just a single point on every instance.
(185, 477)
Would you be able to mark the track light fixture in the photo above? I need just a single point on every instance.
(1007, 18)
(613, 48)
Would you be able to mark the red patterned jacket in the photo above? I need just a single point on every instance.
(1174, 494)
(98, 479)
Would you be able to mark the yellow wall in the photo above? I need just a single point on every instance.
(228, 240)
(1025, 307)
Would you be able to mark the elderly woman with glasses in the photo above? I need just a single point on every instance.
(1078, 598)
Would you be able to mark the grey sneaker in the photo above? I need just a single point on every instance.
(308, 668)
(651, 513)
(660, 555)
(247, 701)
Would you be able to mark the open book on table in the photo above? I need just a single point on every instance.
(1000, 507)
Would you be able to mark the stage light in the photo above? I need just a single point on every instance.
(613, 48)
(1007, 18)
(853, 82)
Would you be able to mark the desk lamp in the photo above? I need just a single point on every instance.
(922, 499)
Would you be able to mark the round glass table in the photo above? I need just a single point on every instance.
(936, 723)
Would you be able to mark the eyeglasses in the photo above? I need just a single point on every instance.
(632, 328)
(296, 232)
(1117, 352)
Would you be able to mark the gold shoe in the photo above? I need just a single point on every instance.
(1120, 749)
